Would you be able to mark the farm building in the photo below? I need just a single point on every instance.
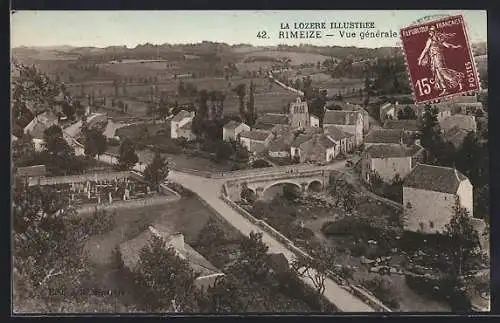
(384, 137)
(130, 251)
(441, 185)
(347, 121)
(180, 123)
(232, 129)
(255, 141)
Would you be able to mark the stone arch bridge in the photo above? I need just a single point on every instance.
(263, 185)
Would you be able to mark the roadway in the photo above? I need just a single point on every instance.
(209, 189)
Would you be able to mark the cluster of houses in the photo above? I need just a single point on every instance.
(456, 117)
(389, 151)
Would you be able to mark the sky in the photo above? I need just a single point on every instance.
(130, 28)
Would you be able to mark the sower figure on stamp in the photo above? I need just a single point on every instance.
(444, 78)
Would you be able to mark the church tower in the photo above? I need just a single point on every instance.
(299, 114)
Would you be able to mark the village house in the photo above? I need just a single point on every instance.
(343, 140)
(455, 136)
(384, 137)
(318, 149)
(279, 148)
(387, 161)
(40, 123)
(444, 110)
(295, 151)
(255, 141)
(130, 252)
(347, 121)
(388, 111)
(409, 127)
(178, 125)
(430, 194)
(462, 121)
(232, 129)
(314, 121)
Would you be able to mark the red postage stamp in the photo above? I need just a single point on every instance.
(439, 59)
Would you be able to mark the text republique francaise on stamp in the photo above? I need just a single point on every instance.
(439, 59)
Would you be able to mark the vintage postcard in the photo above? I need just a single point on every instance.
(249, 161)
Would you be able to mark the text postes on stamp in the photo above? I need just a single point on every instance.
(439, 59)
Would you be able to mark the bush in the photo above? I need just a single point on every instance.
(383, 288)
(439, 289)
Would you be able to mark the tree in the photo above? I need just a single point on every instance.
(430, 131)
(95, 143)
(157, 171)
(251, 115)
(316, 267)
(48, 247)
(174, 282)
(224, 150)
(252, 261)
(128, 158)
(240, 91)
(463, 242)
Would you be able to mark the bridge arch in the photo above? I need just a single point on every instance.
(315, 186)
(279, 188)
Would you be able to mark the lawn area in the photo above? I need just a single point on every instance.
(187, 216)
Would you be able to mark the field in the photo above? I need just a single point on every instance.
(325, 81)
(295, 57)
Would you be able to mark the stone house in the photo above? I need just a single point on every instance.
(384, 137)
(429, 197)
(232, 129)
(182, 118)
(389, 160)
(343, 140)
(408, 126)
(130, 251)
(40, 123)
(462, 121)
(347, 121)
(255, 141)
(295, 151)
(314, 121)
(319, 148)
(388, 111)
(278, 148)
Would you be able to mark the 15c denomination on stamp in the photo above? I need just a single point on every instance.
(439, 59)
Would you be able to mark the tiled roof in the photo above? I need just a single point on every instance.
(384, 136)
(455, 136)
(462, 121)
(317, 145)
(232, 124)
(407, 125)
(258, 135)
(391, 151)
(272, 118)
(340, 117)
(181, 115)
(264, 126)
(279, 144)
(187, 125)
(300, 139)
(130, 251)
(434, 178)
(464, 99)
(335, 133)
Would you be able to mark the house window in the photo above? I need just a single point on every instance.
(431, 224)
(421, 226)
(445, 197)
(408, 205)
